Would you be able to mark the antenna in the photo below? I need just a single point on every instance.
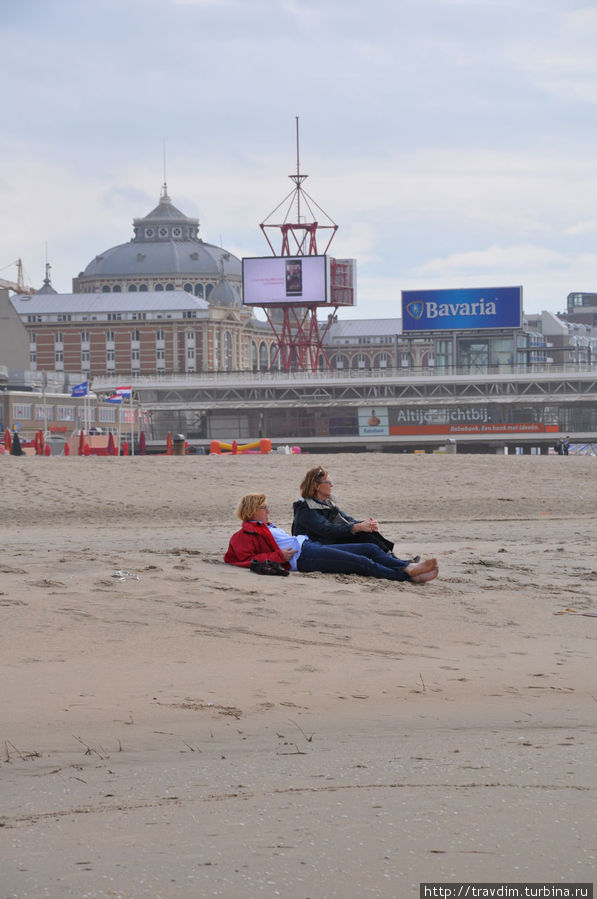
(165, 184)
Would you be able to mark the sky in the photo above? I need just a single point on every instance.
(454, 142)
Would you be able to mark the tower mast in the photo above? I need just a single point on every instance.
(297, 330)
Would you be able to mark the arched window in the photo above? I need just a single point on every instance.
(105, 289)
(143, 288)
(199, 290)
(169, 286)
(263, 357)
(361, 361)
(208, 290)
(274, 357)
(158, 287)
(254, 360)
(132, 288)
(382, 360)
(340, 362)
(117, 289)
(188, 288)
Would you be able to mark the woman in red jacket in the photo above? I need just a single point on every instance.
(261, 540)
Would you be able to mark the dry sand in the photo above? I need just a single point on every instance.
(203, 731)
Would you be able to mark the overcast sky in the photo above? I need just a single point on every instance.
(453, 141)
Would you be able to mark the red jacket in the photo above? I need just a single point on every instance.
(253, 541)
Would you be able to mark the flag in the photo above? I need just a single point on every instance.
(80, 389)
(113, 399)
(124, 392)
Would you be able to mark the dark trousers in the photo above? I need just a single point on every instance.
(351, 558)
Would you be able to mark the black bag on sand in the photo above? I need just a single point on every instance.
(267, 567)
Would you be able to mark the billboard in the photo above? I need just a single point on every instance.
(461, 309)
(278, 280)
(298, 280)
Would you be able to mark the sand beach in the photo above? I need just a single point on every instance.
(175, 727)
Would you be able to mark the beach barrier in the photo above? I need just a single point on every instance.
(219, 448)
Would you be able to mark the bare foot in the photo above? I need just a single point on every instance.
(426, 576)
(418, 568)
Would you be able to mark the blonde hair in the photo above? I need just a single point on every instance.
(311, 481)
(248, 505)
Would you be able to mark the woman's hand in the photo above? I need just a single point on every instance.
(367, 526)
(288, 554)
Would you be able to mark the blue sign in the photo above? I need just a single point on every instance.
(462, 309)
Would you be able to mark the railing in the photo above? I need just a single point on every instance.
(176, 379)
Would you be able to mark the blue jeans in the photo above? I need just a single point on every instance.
(351, 558)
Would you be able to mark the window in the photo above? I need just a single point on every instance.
(84, 336)
(160, 355)
(110, 357)
(109, 336)
(59, 356)
(132, 288)
(135, 336)
(227, 360)
(58, 337)
(191, 352)
(65, 413)
(190, 314)
(143, 288)
(198, 290)
(117, 289)
(159, 287)
(169, 286)
(160, 335)
(85, 356)
(21, 410)
(64, 317)
(135, 355)
(32, 338)
(114, 316)
(188, 288)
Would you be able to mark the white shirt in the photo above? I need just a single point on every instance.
(287, 541)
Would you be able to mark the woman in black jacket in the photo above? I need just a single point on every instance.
(317, 516)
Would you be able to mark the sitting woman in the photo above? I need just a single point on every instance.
(261, 540)
(317, 516)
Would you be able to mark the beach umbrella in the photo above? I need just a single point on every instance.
(142, 443)
(81, 442)
(169, 444)
(111, 445)
(7, 440)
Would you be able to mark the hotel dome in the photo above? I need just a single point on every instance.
(166, 253)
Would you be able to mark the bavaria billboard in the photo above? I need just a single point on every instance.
(461, 309)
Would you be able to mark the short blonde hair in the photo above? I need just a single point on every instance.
(311, 481)
(248, 505)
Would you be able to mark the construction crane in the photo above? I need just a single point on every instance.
(19, 285)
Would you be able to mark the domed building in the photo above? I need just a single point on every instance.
(166, 302)
(166, 253)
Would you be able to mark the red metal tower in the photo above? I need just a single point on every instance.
(299, 335)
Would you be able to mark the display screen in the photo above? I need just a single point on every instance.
(277, 280)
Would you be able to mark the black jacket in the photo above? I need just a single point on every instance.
(329, 524)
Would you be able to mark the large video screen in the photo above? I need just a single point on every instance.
(461, 309)
(277, 280)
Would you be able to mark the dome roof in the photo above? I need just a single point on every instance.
(224, 294)
(166, 245)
